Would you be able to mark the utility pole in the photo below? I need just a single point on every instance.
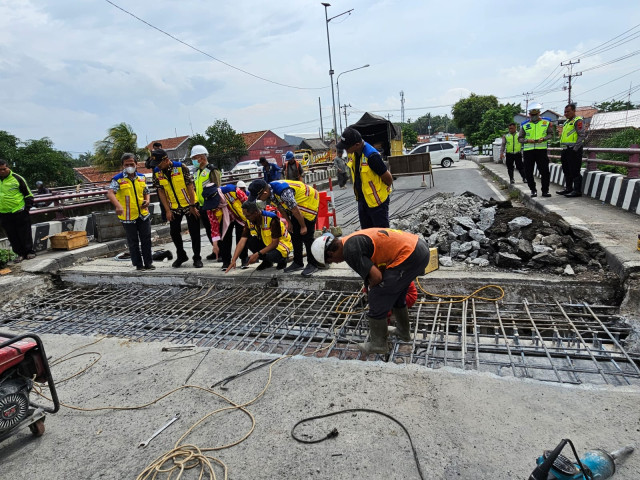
(345, 113)
(402, 106)
(321, 126)
(526, 108)
(570, 64)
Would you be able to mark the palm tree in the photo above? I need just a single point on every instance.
(120, 139)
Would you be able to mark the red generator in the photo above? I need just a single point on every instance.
(23, 361)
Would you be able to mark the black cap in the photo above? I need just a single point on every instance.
(255, 188)
(349, 138)
(211, 196)
(156, 157)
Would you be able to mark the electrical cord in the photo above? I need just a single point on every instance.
(334, 432)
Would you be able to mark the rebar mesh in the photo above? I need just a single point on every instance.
(566, 343)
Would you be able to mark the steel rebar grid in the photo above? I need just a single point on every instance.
(566, 343)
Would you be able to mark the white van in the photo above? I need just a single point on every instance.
(443, 153)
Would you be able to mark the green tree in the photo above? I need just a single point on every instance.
(494, 124)
(8, 146)
(467, 112)
(409, 135)
(120, 139)
(225, 146)
(622, 139)
(84, 160)
(615, 106)
(38, 160)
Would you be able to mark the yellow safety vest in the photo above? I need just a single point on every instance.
(306, 197)
(130, 194)
(375, 191)
(235, 205)
(200, 177)
(513, 145)
(175, 188)
(284, 242)
(569, 133)
(535, 131)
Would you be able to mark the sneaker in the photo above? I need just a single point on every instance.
(139, 267)
(149, 267)
(282, 264)
(512, 181)
(224, 266)
(180, 260)
(211, 256)
(197, 263)
(309, 270)
(563, 192)
(293, 267)
(245, 264)
(546, 194)
(573, 194)
(264, 265)
(534, 194)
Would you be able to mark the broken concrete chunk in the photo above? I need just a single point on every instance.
(476, 234)
(508, 260)
(519, 222)
(538, 248)
(466, 222)
(467, 247)
(525, 249)
(568, 270)
(454, 249)
(458, 230)
(487, 216)
(481, 262)
(445, 261)
(552, 240)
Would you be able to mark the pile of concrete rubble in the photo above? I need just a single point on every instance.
(466, 228)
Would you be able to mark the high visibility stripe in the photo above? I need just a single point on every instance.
(186, 195)
(308, 210)
(375, 193)
(127, 213)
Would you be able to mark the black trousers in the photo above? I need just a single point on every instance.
(255, 245)
(514, 158)
(227, 242)
(139, 233)
(342, 179)
(18, 228)
(540, 159)
(298, 240)
(194, 232)
(373, 217)
(571, 164)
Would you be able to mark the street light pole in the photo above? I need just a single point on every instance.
(338, 88)
(333, 98)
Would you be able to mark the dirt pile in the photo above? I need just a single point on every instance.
(466, 228)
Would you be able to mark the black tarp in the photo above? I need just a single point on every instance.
(377, 131)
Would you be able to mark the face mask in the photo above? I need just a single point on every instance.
(130, 170)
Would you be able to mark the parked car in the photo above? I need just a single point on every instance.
(246, 166)
(444, 153)
(466, 151)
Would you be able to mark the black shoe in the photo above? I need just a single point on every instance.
(245, 264)
(179, 261)
(211, 256)
(524, 180)
(573, 194)
(534, 194)
(512, 181)
(293, 267)
(264, 265)
(309, 270)
(282, 264)
(139, 267)
(563, 192)
(224, 266)
(197, 263)
(149, 267)
(546, 194)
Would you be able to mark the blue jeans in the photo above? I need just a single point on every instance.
(139, 233)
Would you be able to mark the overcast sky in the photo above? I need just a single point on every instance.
(70, 69)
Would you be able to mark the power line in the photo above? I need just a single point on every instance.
(209, 55)
(604, 47)
(607, 83)
(624, 57)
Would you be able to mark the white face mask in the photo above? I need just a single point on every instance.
(130, 170)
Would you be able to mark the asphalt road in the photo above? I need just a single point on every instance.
(463, 176)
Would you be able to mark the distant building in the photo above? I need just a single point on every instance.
(606, 124)
(548, 114)
(177, 148)
(266, 144)
(295, 139)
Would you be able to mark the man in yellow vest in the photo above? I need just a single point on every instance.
(571, 140)
(174, 184)
(513, 149)
(388, 261)
(204, 173)
(534, 136)
(371, 179)
(129, 194)
(298, 204)
(266, 236)
(15, 202)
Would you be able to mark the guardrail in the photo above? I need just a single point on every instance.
(632, 166)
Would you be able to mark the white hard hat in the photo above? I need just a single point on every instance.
(198, 150)
(319, 247)
(241, 184)
(535, 106)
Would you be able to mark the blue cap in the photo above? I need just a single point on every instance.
(289, 155)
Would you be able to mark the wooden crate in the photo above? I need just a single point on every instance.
(69, 240)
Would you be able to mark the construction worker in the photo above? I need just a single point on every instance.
(534, 135)
(174, 184)
(271, 171)
(242, 186)
(129, 195)
(571, 140)
(204, 173)
(388, 261)
(513, 149)
(292, 168)
(15, 202)
(266, 236)
(298, 204)
(371, 179)
(234, 198)
(341, 166)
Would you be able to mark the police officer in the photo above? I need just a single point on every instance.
(371, 179)
(204, 173)
(129, 195)
(298, 203)
(174, 184)
(534, 135)
(571, 141)
(15, 202)
(513, 149)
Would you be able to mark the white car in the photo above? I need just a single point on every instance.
(247, 166)
(444, 153)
